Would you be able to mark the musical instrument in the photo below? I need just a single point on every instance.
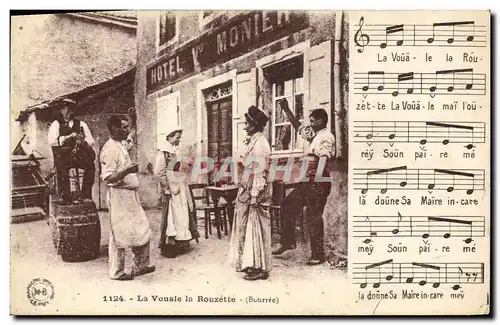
(79, 142)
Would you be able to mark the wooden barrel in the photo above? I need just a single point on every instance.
(76, 230)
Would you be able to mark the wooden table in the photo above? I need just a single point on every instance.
(229, 193)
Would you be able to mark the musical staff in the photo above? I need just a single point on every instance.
(402, 178)
(439, 34)
(399, 226)
(435, 274)
(441, 82)
(431, 74)
(421, 132)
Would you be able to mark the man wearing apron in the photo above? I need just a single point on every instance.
(129, 225)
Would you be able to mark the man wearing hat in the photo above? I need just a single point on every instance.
(251, 234)
(312, 191)
(72, 143)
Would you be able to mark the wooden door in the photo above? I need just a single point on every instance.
(219, 120)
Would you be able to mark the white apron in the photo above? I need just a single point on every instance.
(129, 225)
(180, 202)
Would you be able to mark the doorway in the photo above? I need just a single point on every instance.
(219, 126)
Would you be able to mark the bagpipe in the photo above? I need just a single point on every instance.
(82, 150)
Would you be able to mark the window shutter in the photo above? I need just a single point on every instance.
(167, 112)
(320, 78)
(244, 96)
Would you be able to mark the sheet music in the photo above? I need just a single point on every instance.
(251, 162)
(419, 153)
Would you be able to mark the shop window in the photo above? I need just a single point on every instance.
(287, 83)
(168, 29)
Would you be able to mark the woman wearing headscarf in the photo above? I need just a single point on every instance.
(178, 225)
(251, 233)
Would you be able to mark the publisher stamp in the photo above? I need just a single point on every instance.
(40, 292)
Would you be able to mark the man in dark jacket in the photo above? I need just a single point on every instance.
(72, 144)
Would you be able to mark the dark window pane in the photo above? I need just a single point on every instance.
(167, 27)
(280, 89)
(280, 115)
(283, 137)
(299, 106)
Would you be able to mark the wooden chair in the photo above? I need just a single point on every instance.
(201, 202)
(280, 192)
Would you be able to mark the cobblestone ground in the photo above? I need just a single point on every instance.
(204, 269)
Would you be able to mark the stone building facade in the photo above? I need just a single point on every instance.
(203, 69)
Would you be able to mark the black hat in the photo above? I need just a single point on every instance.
(256, 116)
(65, 102)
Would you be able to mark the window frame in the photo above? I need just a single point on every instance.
(300, 49)
(173, 40)
(292, 103)
(203, 22)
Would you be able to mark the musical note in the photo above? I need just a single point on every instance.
(372, 233)
(427, 234)
(424, 140)
(395, 231)
(389, 226)
(450, 221)
(460, 274)
(361, 39)
(448, 34)
(443, 82)
(449, 127)
(393, 134)
(389, 277)
(386, 179)
(457, 173)
(410, 279)
(405, 181)
(469, 239)
(378, 265)
(468, 133)
(426, 273)
(453, 73)
(392, 30)
(426, 267)
(383, 171)
(402, 77)
(451, 38)
(380, 86)
(370, 135)
(364, 284)
(384, 190)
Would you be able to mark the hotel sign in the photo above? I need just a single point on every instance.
(239, 35)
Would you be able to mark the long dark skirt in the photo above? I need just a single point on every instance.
(169, 246)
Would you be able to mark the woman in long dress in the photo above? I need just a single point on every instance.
(251, 233)
(178, 224)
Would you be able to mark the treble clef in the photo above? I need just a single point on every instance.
(361, 39)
